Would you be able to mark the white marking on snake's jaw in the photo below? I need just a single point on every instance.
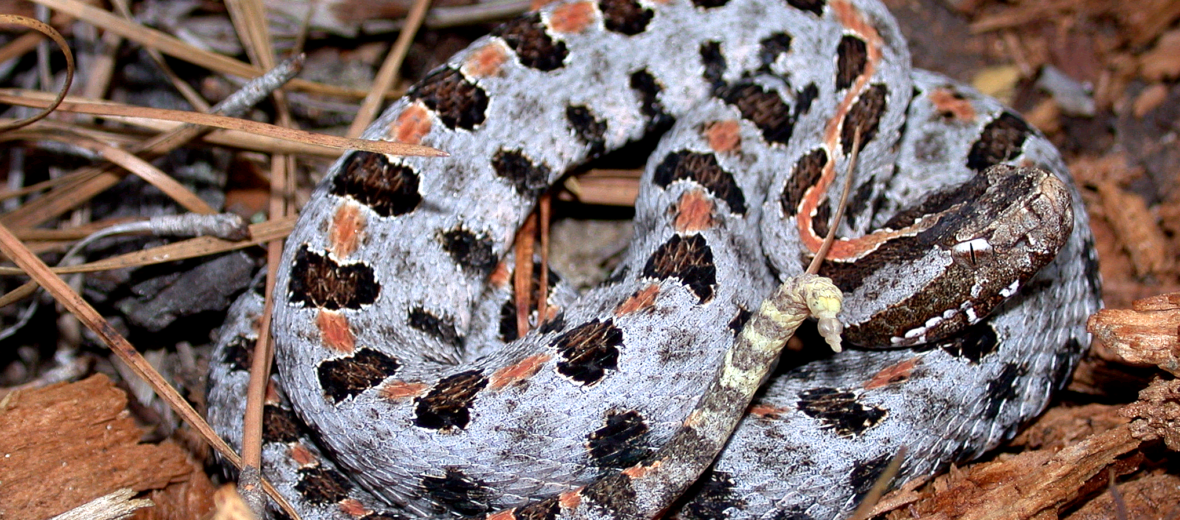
(1011, 289)
(972, 252)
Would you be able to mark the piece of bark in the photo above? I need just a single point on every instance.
(1157, 413)
(1146, 334)
(67, 444)
(1152, 496)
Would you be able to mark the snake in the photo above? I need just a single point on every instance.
(964, 262)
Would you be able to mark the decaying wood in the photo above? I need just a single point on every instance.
(1146, 334)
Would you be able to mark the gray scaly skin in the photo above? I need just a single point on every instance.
(389, 303)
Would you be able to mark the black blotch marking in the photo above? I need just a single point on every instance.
(687, 258)
(529, 179)
(973, 344)
(346, 377)
(553, 325)
(1001, 140)
(645, 85)
(804, 98)
(820, 223)
(624, 16)
(771, 47)
(589, 129)
(621, 442)
(852, 55)
(319, 281)
(589, 351)
(738, 322)
(239, 353)
(457, 492)
(1063, 363)
(793, 513)
(473, 252)
(507, 327)
(280, 424)
(544, 510)
(860, 203)
(447, 406)
(865, 114)
(865, 473)
(813, 6)
(763, 108)
(534, 47)
(711, 498)
(807, 172)
(1001, 389)
(384, 515)
(322, 486)
(388, 189)
(839, 411)
(458, 102)
(614, 493)
(709, 4)
(442, 328)
(703, 169)
(714, 63)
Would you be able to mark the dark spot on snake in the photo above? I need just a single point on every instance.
(382, 516)
(544, 510)
(553, 325)
(473, 252)
(458, 102)
(319, 281)
(973, 344)
(457, 492)
(865, 114)
(1001, 140)
(709, 4)
(620, 442)
(589, 350)
(534, 47)
(613, 493)
(823, 216)
(711, 497)
(239, 353)
(624, 16)
(1063, 363)
(792, 513)
(804, 98)
(763, 108)
(739, 321)
(528, 178)
(588, 129)
(852, 56)
(280, 424)
(648, 89)
(807, 172)
(813, 6)
(714, 63)
(771, 47)
(322, 486)
(388, 189)
(442, 328)
(346, 377)
(839, 411)
(687, 258)
(859, 203)
(866, 473)
(448, 405)
(1001, 389)
(703, 169)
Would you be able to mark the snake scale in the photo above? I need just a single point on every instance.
(967, 272)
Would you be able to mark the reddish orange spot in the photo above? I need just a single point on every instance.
(348, 229)
(353, 507)
(501, 276)
(767, 411)
(503, 515)
(395, 390)
(570, 499)
(572, 18)
(519, 372)
(724, 136)
(301, 455)
(892, 374)
(412, 124)
(694, 212)
(641, 470)
(959, 108)
(486, 61)
(334, 331)
(642, 299)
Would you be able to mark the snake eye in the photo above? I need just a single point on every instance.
(972, 252)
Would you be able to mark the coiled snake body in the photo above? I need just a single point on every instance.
(968, 275)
